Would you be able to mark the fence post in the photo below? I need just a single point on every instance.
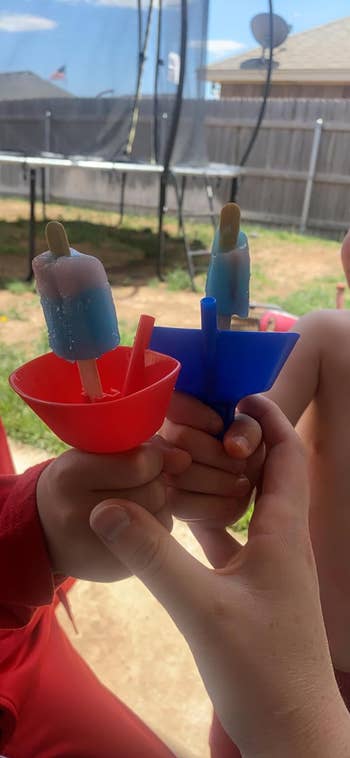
(311, 174)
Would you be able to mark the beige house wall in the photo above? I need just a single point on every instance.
(314, 90)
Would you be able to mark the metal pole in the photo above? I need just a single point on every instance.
(161, 211)
(31, 248)
(48, 124)
(122, 198)
(311, 174)
(169, 147)
(180, 194)
(43, 190)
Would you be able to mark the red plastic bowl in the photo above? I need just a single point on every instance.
(51, 387)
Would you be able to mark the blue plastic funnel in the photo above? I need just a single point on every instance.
(222, 367)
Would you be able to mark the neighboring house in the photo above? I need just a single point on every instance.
(311, 64)
(24, 85)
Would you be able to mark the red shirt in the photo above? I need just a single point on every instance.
(51, 703)
(27, 587)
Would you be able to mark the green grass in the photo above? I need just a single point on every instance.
(20, 422)
(321, 294)
(243, 523)
(127, 333)
(13, 314)
(18, 287)
(177, 280)
(286, 235)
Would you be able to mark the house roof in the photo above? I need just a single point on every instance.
(24, 85)
(315, 55)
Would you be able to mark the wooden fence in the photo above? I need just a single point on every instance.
(298, 172)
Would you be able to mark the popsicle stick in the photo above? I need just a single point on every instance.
(90, 379)
(224, 322)
(57, 241)
(134, 378)
(230, 219)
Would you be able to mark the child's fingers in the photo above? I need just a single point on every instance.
(175, 460)
(255, 465)
(211, 481)
(243, 437)
(209, 510)
(185, 409)
(151, 496)
(175, 578)
(284, 496)
(202, 447)
(218, 545)
(101, 472)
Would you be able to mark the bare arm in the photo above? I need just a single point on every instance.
(298, 381)
(345, 257)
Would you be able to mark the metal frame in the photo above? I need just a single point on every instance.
(175, 175)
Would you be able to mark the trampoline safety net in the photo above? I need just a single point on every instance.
(109, 79)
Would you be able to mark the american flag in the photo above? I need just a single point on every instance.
(60, 73)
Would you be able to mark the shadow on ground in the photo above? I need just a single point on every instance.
(129, 256)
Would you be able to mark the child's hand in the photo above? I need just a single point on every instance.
(71, 486)
(216, 489)
(255, 626)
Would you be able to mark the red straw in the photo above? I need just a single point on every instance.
(134, 378)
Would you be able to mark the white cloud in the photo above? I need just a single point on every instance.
(16, 22)
(219, 46)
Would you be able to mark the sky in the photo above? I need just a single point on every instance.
(300, 14)
(97, 39)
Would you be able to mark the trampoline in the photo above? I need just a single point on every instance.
(110, 85)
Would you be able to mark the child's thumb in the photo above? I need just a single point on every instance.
(145, 547)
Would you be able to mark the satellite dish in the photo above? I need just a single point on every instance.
(260, 26)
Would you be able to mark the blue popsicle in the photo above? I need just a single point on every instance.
(229, 269)
(78, 305)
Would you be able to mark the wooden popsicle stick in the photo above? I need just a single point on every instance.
(224, 322)
(230, 219)
(57, 241)
(90, 379)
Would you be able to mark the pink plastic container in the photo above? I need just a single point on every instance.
(51, 387)
(277, 321)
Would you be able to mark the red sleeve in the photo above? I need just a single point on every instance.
(26, 579)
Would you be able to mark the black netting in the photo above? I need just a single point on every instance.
(103, 78)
